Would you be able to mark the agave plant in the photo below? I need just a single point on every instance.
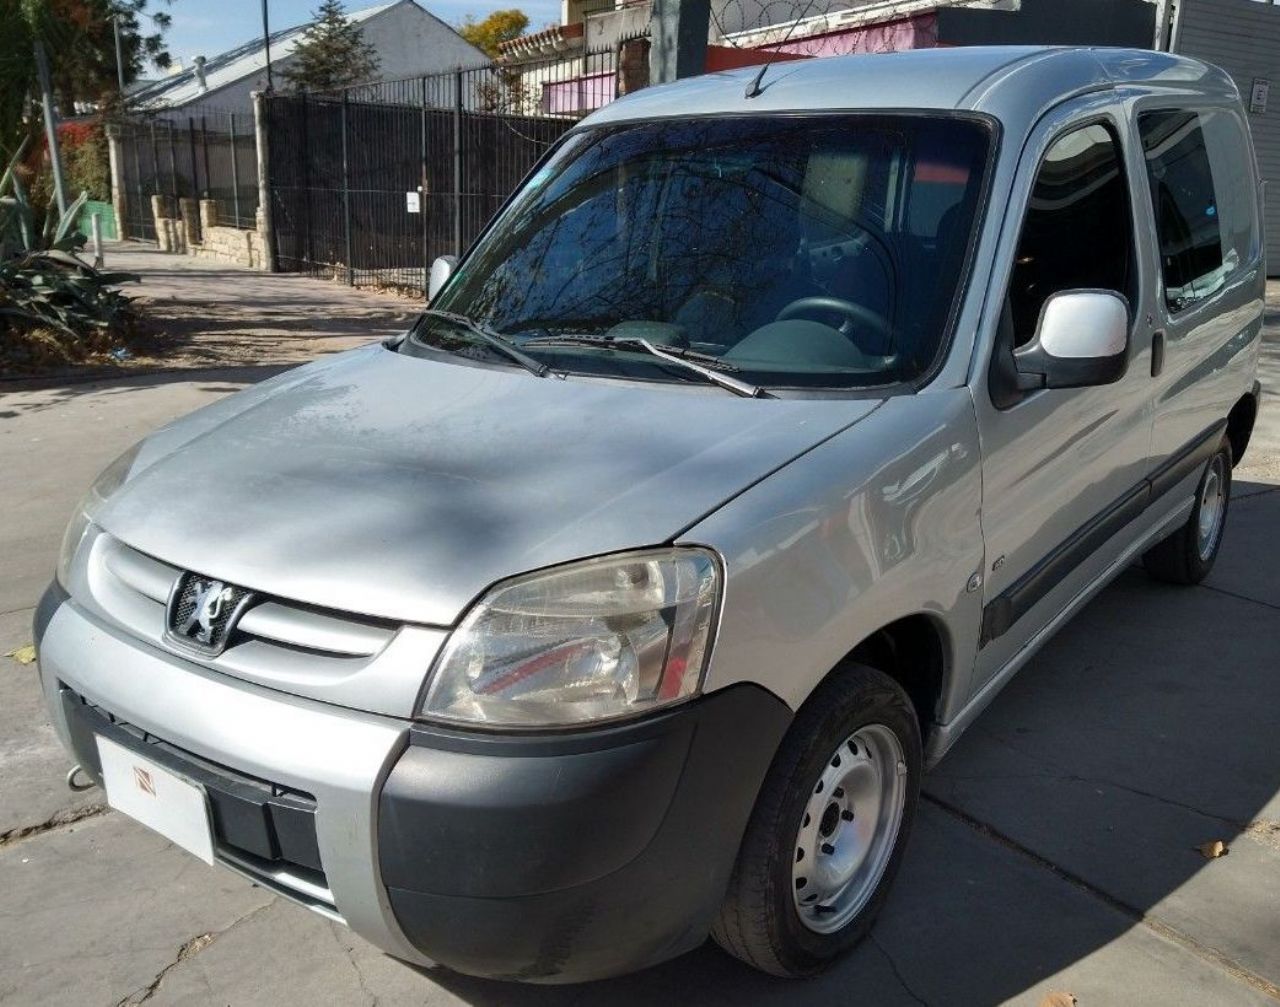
(43, 283)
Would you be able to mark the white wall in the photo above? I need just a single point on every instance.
(409, 42)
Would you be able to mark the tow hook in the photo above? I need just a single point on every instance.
(78, 771)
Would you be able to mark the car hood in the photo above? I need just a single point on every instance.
(398, 487)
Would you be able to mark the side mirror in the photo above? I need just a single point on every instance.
(1082, 340)
(441, 270)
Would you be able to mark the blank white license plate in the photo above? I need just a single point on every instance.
(157, 797)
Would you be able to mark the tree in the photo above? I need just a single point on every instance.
(332, 53)
(79, 37)
(500, 26)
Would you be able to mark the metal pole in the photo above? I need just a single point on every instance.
(155, 161)
(51, 128)
(1175, 28)
(304, 161)
(95, 225)
(1161, 41)
(346, 197)
(457, 163)
(679, 39)
(138, 206)
(266, 44)
(422, 198)
(195, 170)
(235, 172)
(204, 153)
(115, 24)
(173, 164)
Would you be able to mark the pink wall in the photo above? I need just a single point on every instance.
(920, 32)
(582, 94)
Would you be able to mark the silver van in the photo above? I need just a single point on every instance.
(772, 425)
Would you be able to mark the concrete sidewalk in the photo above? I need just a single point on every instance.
(1055, 849)
(206, 315)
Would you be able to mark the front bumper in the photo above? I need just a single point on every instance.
(544, 857)
(338, 756)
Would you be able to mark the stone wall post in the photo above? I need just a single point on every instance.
(119, 199)
(266, 230)
(189, 210)
(208, 215)
(160, 216)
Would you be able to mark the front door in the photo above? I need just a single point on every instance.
(1060, 466)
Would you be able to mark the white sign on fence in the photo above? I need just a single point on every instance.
(413, 202)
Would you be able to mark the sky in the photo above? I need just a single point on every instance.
(202, 28)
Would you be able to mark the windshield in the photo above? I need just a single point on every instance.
(793, 251)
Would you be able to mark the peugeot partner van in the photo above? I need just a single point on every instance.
(775, 422)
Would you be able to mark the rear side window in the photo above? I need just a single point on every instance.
(1078, 231)
(1204, 215)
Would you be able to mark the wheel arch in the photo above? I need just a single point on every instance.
(1240, 423)
(914, 651)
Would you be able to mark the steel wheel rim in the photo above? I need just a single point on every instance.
(848, 829)
(1212, 508)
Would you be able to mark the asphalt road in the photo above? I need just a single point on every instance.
(1055, 849)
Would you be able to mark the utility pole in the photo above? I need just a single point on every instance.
(266, 43)
(51, 127)
(679, 39)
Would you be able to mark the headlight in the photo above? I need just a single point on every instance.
(591, 641)
(111, 479)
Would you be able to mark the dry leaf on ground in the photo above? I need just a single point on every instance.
(1213, 850)
(23, 655)
(1058, 999)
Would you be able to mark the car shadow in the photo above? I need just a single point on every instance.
(1068, 814)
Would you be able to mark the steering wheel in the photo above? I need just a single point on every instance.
(852, 313)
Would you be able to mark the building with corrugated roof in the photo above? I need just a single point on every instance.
(408, 39)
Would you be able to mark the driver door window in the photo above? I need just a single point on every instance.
(1078, 231)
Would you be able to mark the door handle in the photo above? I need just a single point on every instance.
(1157, 353)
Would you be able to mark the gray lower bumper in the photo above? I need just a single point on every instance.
(339, 756)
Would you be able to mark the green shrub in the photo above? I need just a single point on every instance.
(44, 285)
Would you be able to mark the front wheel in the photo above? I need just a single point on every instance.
(1187, 556)
(828, 830)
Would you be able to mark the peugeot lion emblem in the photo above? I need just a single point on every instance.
(210, 598)
(203, 612)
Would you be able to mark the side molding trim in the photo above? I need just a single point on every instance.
(1003, 611)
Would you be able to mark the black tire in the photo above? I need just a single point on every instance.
(759, 922)
(1179, 559)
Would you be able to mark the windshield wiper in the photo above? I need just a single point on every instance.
(675, 355)
(493, 340)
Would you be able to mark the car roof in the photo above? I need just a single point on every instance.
(1014, 83)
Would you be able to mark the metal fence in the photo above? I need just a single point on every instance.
(203, 153)
(371, 183)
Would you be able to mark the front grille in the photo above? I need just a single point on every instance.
(270, 639)
(262, 829)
